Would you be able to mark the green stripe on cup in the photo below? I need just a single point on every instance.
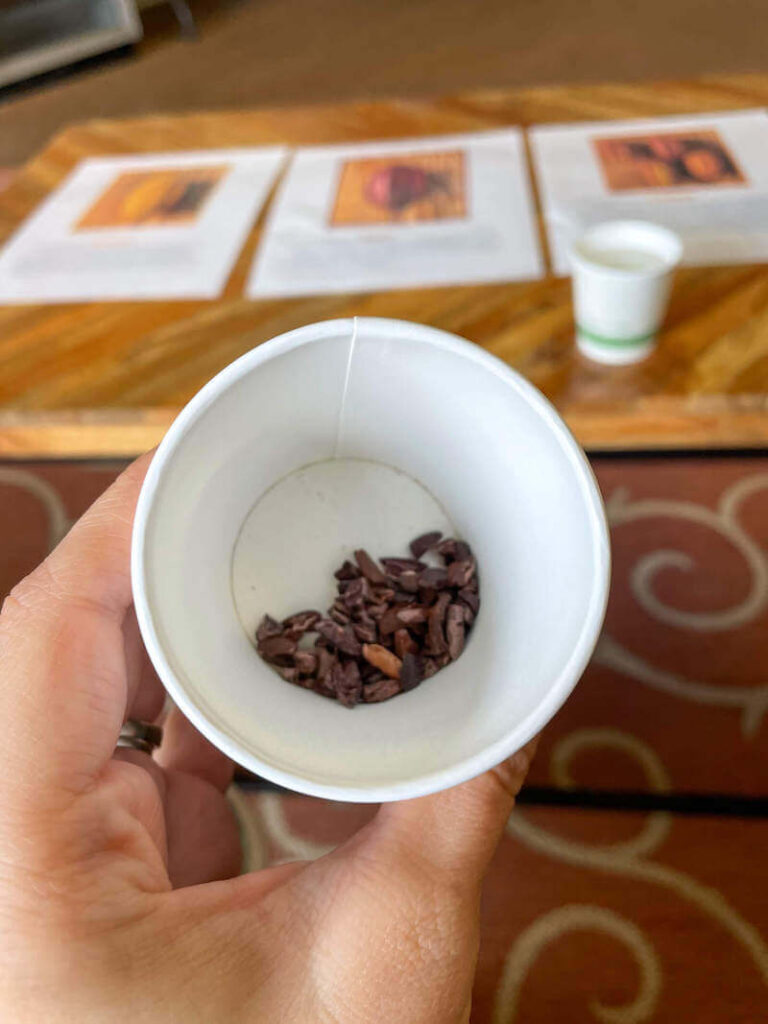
(601, 339)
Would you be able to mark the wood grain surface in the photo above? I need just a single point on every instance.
(107, 378)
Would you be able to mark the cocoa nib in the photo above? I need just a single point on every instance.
(369, 672)
(276, 647)
(434, 579)
(301, 622)
(305, 662)
(357, 592)
(341, 637)
(404, 643)
(470, 599)
(454, 630)
(412, 615)
(461, 572)
(397, 566)
(410, 673)
(365, 633)
(463, 550)
(348, 571)
(409, 581)
(268, 627)
(346, 681)
(429, 667)
(380, 690)
(369, 569)
(389, 621)
(385, 661)
(424, 543)
(339, 614)
(454, 550)
(435, 635)
(325, 662)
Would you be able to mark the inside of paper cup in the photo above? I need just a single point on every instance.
(493, 457)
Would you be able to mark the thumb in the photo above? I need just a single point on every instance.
(456, 832)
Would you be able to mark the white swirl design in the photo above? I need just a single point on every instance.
(558, 922)
(658, 823)
(48, 496)
(292, 846)
(753, 701)
(627, 860)
(253, 841)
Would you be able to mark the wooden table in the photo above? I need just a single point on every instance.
(107, 378)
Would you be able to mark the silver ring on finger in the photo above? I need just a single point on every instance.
(137, 735)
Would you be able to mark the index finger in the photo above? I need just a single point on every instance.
(62, 661)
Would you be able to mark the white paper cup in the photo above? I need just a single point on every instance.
(497, 457)
(622, 272)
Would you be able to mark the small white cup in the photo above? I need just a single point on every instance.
(622, 273)
(499, 460)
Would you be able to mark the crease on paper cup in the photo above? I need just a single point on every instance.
(494, 455)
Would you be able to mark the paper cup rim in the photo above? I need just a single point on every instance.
(559, 688)
(578, 259)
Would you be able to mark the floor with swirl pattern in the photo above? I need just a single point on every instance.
(622, 915)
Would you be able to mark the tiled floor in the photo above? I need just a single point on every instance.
(594, 915)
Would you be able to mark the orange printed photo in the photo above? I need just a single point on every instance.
(153, 198)
(668, 160)
(401, 189)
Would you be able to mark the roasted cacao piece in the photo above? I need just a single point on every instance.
(409, 581)
(376, 610)
(454, 630)
(412, 614)
(404, 643)
(267, 628)
(342, 637)
(301, 622)
(435, 635)
(305, 662)
(384, 660)
(276, 647)
(389, 621)
(325, 662)
(365, 634)
(397, 566)
(348, 571)
(410, 673)
(380, 690)
(424, 543)
(369, 569)
(461, 572)
(346, 681)
(428, 667)
(369, 672)
(447, 549)
(433, 579)
(357, 592)
(340, 614)
(470, 598)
